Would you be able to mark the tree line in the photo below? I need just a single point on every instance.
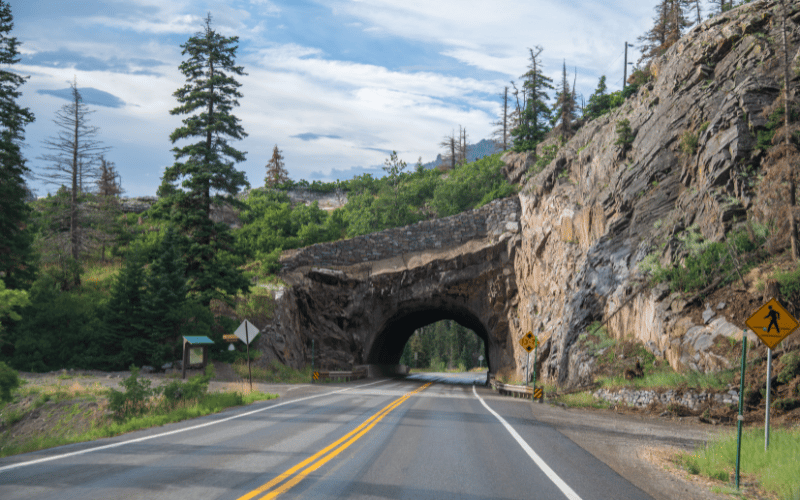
(168, 281)
(444, 345)
(527, 115)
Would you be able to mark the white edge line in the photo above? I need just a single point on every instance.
(145, 438)
(568, 492)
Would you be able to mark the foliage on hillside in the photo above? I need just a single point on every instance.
(270, 224)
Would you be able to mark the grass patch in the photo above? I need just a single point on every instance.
(275, 373)
(99, 276)
(139, 407)
(666, 378)
(583, 399)
(777, 470)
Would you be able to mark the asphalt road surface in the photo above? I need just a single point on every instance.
(427, 437)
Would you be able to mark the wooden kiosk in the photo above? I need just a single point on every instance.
(195, 352)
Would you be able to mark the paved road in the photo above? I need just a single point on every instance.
(418, 438)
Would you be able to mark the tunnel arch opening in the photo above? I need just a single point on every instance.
(387, 348)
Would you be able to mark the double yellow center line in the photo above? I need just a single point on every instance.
(309, 465)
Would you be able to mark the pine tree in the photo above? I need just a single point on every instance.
(16, 267)
(276, 172)
(127, 340)
(668, 26)
(203, 168)
(599, 101)
(108, 209)
(564, 113)
(75, 153)
(535, 116)
(165, 304)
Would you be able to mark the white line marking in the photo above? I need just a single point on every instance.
(536, 458)
(145, 438)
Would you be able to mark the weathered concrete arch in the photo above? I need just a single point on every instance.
(361, 299)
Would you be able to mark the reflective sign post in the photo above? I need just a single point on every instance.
(769, 383)
(740, 418)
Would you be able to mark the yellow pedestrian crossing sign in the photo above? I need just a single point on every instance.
(772, 323)
(529, 341)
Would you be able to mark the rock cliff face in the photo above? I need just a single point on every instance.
(592, 214)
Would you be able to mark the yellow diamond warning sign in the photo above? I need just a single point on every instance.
(529, 341)
(772, 323)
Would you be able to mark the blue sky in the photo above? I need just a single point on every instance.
(335, 84)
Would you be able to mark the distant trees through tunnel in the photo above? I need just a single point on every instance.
(444, 345)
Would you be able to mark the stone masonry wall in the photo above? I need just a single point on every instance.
(490, 220)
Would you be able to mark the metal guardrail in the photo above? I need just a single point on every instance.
(512, 390)
(345, 376)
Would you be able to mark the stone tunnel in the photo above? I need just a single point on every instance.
(361, 299)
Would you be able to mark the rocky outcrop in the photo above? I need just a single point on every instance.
(594, 212)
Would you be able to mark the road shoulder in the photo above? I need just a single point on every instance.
(637, 448)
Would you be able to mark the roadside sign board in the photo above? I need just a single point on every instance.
(529, 341)
(772, 323)
(230, 338)
(537, 393)
(316, 375)
(251, 332)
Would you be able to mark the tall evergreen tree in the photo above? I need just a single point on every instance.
(535, 116)
(276, 171)
(165, 304)
(16, 263)
(564, 109)
(108, 209)
(205, 169)
(124, 316)
(599, 101)
(73, 160)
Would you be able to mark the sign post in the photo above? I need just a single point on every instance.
(534, 369)
(529, 343)
(740, 417)
(480, 361)
(772, 323)
(243, 332)
(314, 374)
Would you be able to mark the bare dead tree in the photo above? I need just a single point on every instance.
(502, 132)
(462, 146)
(74, 156)
(449, 143)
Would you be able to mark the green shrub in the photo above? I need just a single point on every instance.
(625, 135)
(789, 282)
(688, 143)
(192, 390)
(706, 261)
(786, 404)
(134, 400)
(791, 368)
(9, 380)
